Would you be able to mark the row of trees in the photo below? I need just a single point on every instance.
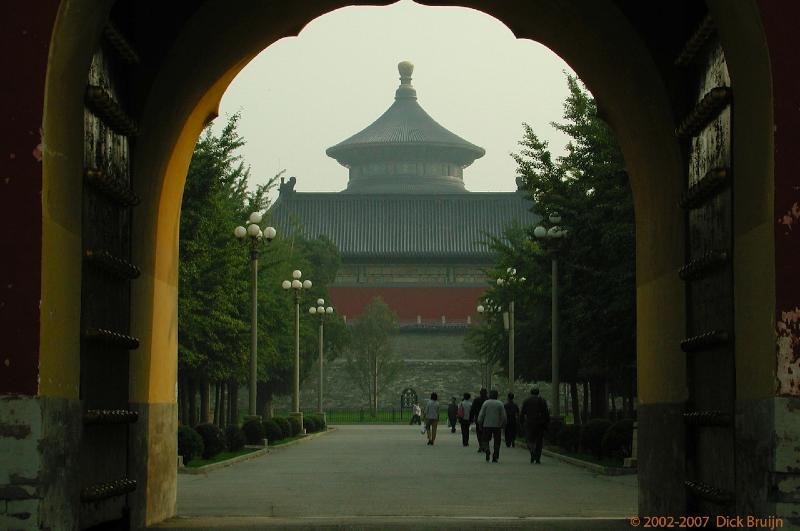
(589, 188)
(213, 297)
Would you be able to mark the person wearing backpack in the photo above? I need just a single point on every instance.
(535, 416)
(463, 414)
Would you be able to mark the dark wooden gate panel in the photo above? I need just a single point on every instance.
(105, 289)
(709, 281)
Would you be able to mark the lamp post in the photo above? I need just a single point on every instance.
(255, 236)
(297, 286)
(511, 280)
(320, 310)
(553, 233)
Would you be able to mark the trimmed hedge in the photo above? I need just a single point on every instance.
(272, 431)
(296, 426)
(234, 438)
(592, 436)
(213, 439)
(286, 428)
(618, 440)
(310, 423)
(190, 444)
(318, 420)
(569, 437)
(553, 429)
(253, 431)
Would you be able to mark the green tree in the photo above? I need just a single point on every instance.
(589, 188)
(371, 363)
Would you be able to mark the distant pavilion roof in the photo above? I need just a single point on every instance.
(392, 226)
(405, 150)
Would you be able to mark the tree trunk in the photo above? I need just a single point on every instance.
(613, 407)
(233, 391)
(205, 399)
(599, 396)
(191, 391)
(576, 409)
(223, 405)
(585, 415)
(215, 417)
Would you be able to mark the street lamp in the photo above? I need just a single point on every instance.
(320, 310)
(255, 237)
(511, 280)
(297, 287)
(555, 233)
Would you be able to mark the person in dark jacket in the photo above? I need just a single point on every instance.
(452, 414)
(512, 415)
(535, 417)
(465, 410)
(473, 416)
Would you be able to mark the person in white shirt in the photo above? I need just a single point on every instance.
(432, 417)
(492, 418)
(416, 413)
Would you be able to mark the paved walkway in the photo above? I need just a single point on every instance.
(388, 473)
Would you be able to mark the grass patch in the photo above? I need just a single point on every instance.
(602, 461)
(222, 456)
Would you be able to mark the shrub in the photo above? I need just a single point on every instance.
(253, 431)
(272, 430)
(286, 428)
(618, 440)
(319, 421)
(592, 436)
(569, 437)
(234, 438)
(213, 439)
(553, 429)
(310, 423)
(190, 444)
(296, 425)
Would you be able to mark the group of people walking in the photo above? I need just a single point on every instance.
(491, 418)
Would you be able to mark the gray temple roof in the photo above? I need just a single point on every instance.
(438, 226)
(405, 149)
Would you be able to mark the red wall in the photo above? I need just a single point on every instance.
(429, 303)
(25, 41)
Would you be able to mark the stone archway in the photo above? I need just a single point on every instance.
(614, 53)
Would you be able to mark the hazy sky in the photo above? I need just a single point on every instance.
(304, 94)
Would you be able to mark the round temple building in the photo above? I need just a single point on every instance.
(409, 232)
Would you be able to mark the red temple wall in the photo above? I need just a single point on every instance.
(430, 303)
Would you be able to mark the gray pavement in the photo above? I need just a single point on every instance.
(387, 477)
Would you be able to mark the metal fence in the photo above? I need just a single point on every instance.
(367, 416)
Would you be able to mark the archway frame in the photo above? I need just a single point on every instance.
(596, 40)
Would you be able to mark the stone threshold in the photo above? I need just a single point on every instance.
(262, 450)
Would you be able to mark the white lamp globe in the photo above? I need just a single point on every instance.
(329, 310)
(255, 217)
(296, 273)
(320, 302)
(312, 310)
(240, 232)
(320, 309)
(253, 230)
(499, 281)
(522, 279)
(511, 271)
(260, 234)
(296, 284)
(270, 233)
(553, 232)
(481, 309)
(307, 284)
(555, 217)
(286, 284)
(540, 232)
